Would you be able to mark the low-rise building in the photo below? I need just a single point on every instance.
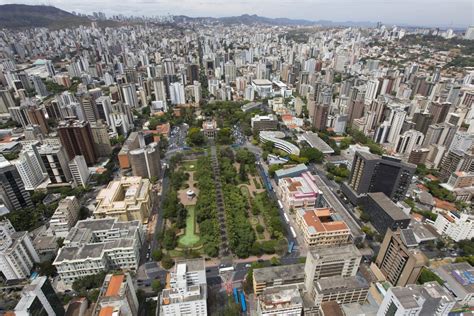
(209, 129)
(343, 290)
(65, 216)
(299, 192)
(280, 301)
(290, 172)
(127, 199)
(459, 280)
(457, 226)
(17, 254)
(276, 138)
(186, 293)
(316, 142)
(427, 299)
(117, 296)
(264, 123)
(322, 227)
(269, 277)
(96, 245)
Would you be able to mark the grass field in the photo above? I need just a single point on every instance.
(190, 237)
(189, 165)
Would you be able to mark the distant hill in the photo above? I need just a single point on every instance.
(255, 19)
(24, 16)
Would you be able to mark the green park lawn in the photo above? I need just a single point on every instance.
(190, 238)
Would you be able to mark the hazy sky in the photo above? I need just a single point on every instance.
(413, 12)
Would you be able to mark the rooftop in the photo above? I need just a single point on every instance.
(316, 142)
(286, 272)
(322, 220)
(338, 283)
(388, 206)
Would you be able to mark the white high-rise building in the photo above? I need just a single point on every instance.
(230, 72)
(469, 35)
(17, 254)
(130, 95)
(396, 119)
(65, 216)
(408, 141)
(462, 141)
(79, 171)
(187, 294)
(39, 298)
(29, 168)
(371, 92)
(177, 93)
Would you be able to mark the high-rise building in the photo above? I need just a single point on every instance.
(399, 258)
(456, 160)
(145, 161)
(55, 162)
(372, 173)
(101, 138)
(408, 141)
(79, 171)
(76, 137)
(30, 169)
(12, 190)
(187, 293)
(36, 117)
(177, 93)
(40, 87)
(130, 95)
(65, 216)
(39, 298)
(427, 299)
(439, 111)
(117, 296)
(6, 101)
(17, 254)
(89, 108)
(422, 121)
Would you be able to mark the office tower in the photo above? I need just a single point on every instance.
(383, 213)
(39, 298)
(427, 299)
(12, 189)
(177, 93)
(399, 258)
(422, 121)
(6, 101)
(55, 161)
(40, 87)
(89, 108)
(130, 95)
(65, 216)
(117, 296)
(439, 111)
(408, 141)
(36, 117)
(17, 254)
(145, 161)
(323, 262)
(456, 160)
(79, 171)
(50, 68)
(372, 173)
(187, 293)
(76, 137)
(101, 138)
(30, 169)
(96, 245)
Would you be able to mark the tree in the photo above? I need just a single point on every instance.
(167, 262)
(83, 284)
(47, 268)
(169, 239)
(157, 255)
(156, 286)
(195, 136)
(60, 242)
(224, 136)
(312, 154)
(427, 275)
(259, 228)
(274, 261)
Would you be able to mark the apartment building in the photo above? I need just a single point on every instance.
(65, 216)
(117, 296)
(96, 245)
(299, 192)
(285, 300)
(126, 199)
(343, 290)
(322, 227)
(457, 226)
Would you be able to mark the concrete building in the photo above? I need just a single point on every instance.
(276, 138)
(383, 213)
(270, 277)
(399, 258)
(101, 138)
(187, 291)
(455, 225)
(55, 161)
(79, 171)
(96, 245)
(117, 296)
(456, 160)
(408, 141)
(264, 123)
(316, 142)
(324, 262)
(263, 87)
(322, 227)
(290, 172)
(372, 173)
(12, 190)
(459, 280)
(30, 169)
(427, 299)
(134, 141)
(17, 254)
(65, 216)
(209, 128)
(299, 192)
(145, 161)
(76, 137)
(39, 298)
(284, 300)
(126, 199)
(343, 290)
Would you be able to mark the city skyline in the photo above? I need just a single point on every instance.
(458, 13)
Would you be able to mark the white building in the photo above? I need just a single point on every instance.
(396, 120)
(65, 216)
(17, 254)
(427, 299)
(96, 245)
(177, 93)
(39, 298)
(280, 301)
(408, 141)
(30, 170)
(117, 296)
(79, 171)
(130, 95)
(263, 87)
(187, 294)
(456, 226)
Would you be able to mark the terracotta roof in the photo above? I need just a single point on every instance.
(114, 285)
(313, 219)
(445, 205)
(106, 311)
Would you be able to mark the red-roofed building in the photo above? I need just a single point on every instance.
(117, 296)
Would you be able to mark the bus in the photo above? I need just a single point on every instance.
(291, 246)
(293, 232)
(286, 217)
(226, 269)
(236, 295)
(279, 204)
(243, 304)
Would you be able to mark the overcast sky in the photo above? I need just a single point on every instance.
(414, 12)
